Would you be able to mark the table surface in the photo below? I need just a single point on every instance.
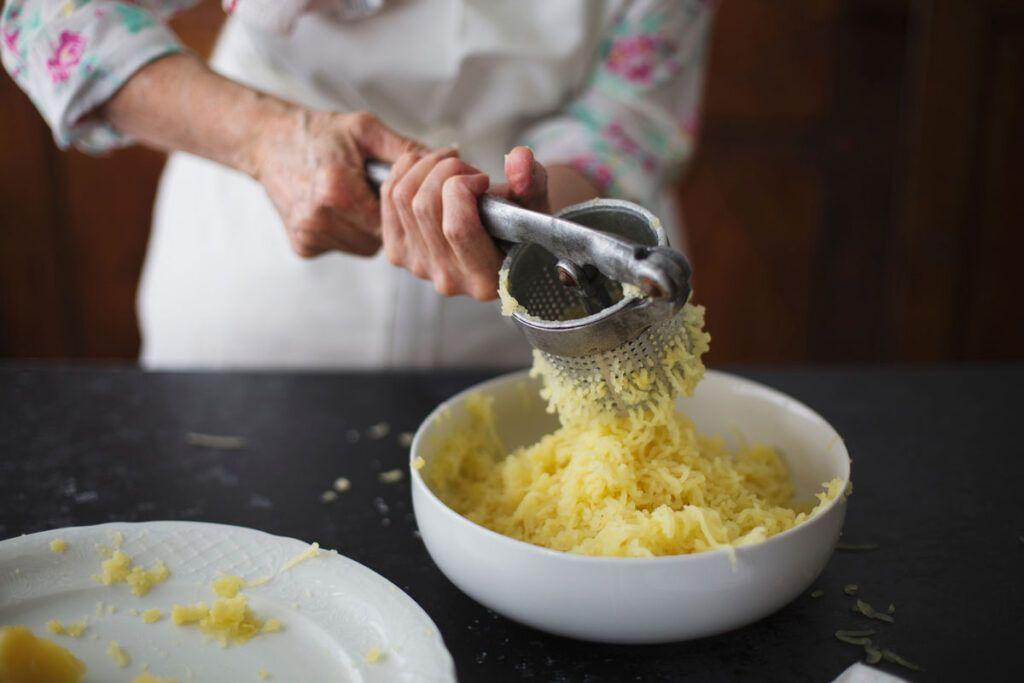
(937, 472)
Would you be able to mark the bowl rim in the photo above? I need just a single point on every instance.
(732, 553)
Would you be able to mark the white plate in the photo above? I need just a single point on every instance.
(334, 610)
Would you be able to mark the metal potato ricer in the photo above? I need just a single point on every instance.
(598, 287)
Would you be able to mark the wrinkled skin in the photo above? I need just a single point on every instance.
(426, 219)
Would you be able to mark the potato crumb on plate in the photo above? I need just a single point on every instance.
(25, 657)
(74, 629)
(117, 654)
(312, 551)
(146, 677)
(228, 586)
(118, 568)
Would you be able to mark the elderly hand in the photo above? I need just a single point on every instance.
(312, 166)
(431, 224)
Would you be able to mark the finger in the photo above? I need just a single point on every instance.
(346, 236)
(344, 188)
(427, 207)
(404, 192)
(473, 247)
(306, 235)
(527, 178)
(378, 141)
(392, 232)
(328, 229)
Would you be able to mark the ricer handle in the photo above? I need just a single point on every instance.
(661, 272)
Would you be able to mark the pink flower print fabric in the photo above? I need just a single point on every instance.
(632, 127)
(70, 56)
(66, 55)
(11, 40)
(638, 58)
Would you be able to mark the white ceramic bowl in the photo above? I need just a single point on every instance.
(640, 600)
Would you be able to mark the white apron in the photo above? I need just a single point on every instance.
(221, 286)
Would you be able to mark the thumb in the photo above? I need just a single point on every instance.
(527, 179)
(378, 141)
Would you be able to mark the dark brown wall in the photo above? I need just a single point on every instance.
(858, 194)
(73, 230)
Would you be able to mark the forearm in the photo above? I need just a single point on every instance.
(568, 186)
(178, 103)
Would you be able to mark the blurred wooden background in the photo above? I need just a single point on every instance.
(858, 194)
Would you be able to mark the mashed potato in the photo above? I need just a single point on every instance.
(639, 484)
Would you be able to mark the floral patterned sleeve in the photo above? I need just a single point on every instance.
(71, 56)
(634, 124)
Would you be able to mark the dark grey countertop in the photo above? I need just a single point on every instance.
(938, 475)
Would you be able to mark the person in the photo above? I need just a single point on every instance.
(268, 144)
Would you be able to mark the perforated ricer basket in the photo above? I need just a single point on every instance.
(616, 351)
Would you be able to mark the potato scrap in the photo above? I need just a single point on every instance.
(855, 637)
(872, 653)
(228, 586)
(312, 551)
(378, 431)
(146, 677)
(58, 545)
(117, 654)
(890, 656)
(187, 614)
(870, 612)
(215, 441)
(24, 657)
(118, 568)
(74, 629)
(229, 619)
